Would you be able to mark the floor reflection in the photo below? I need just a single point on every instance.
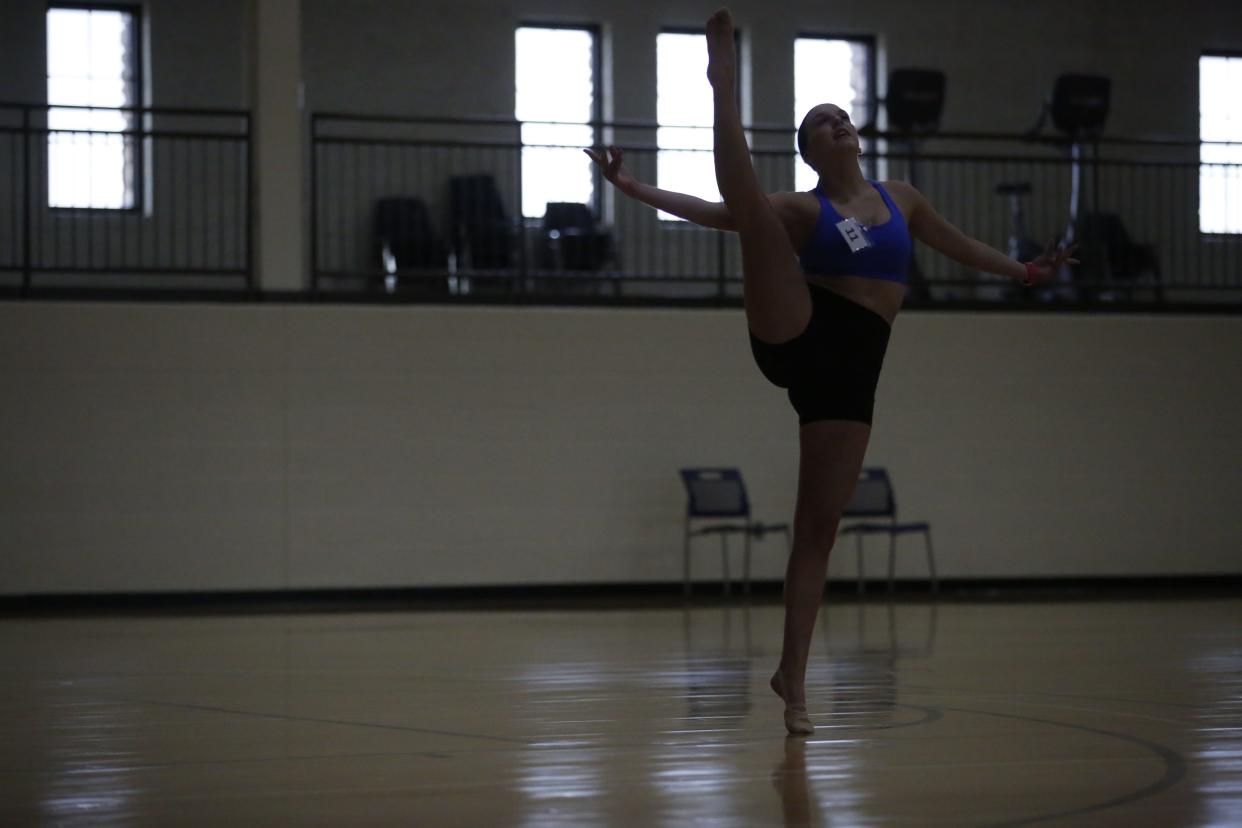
(818, 783)
(719, 664)
(852, 687)
(1218, 731)
(859, 685)
(979, 713)
(798, 806)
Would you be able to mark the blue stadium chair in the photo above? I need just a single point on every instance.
(874, 498)
(720, 493)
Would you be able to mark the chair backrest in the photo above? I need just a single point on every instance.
(405, 225)
(715, 493)
(563, 215)
(1107, 229)
(475, 200)
(873, 496)
(1105, 246)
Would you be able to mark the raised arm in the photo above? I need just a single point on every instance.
(705, 213)
(930, 227)
(712, 214)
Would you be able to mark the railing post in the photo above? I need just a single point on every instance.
(314, 202)
(521, 213)
(251, 283)
(26, 229)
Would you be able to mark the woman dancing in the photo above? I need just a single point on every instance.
(820, 330)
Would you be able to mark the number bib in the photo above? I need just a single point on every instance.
(855, 234)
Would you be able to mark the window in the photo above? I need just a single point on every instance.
(92, 61)
(556, 77)
(1220, 165)
(832, 70)
(684, 160)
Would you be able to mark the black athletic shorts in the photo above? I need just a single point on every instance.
(832, 368)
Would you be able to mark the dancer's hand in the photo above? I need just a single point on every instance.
(1050, 263)
(614, 171)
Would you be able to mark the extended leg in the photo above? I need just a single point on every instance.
(778, 302)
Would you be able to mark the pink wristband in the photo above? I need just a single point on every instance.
(1032, 274)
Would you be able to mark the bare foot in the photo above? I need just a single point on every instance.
(721, 54)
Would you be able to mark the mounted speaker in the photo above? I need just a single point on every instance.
(915, 100)
(1080, 104)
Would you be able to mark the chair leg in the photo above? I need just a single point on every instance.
(685, 564)
(931, 561)
(892, 559)
(724, 561)
(861, 574)
(746, 565)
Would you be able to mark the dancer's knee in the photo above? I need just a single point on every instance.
(816, 528)
(815, 543)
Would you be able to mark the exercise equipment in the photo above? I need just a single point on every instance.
(1078, 107)
(1021, 246)
(914, 104)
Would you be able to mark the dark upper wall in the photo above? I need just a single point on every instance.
(437, 57)
(195, 53)
(1000, 57)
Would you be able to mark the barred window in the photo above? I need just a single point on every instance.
(556, 82)
(92, 61)
(831, 70)
(1220, 165)
(684, 116)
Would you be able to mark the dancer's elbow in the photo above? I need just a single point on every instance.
(714, 216)
(723, 220)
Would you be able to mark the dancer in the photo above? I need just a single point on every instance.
(820, 330)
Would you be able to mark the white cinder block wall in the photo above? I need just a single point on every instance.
(153, 447)
(204, 447)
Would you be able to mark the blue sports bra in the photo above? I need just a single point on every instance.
(883, 250)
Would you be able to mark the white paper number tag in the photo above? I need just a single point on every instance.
(855, 234)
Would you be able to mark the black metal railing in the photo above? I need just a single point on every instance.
(176, 198)
(432, 207)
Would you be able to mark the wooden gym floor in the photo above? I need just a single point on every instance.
(1069, 713)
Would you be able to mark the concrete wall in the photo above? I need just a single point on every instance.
(210, 447)
(195, 53)
(194, 56)
(1001, 57)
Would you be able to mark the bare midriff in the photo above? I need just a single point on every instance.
(880, 295)
(883, 297)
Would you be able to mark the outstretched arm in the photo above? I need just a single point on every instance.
(705, 213)
(712, 214)
(930, 227)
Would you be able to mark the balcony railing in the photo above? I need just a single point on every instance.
(178, 211)
(431, 209)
